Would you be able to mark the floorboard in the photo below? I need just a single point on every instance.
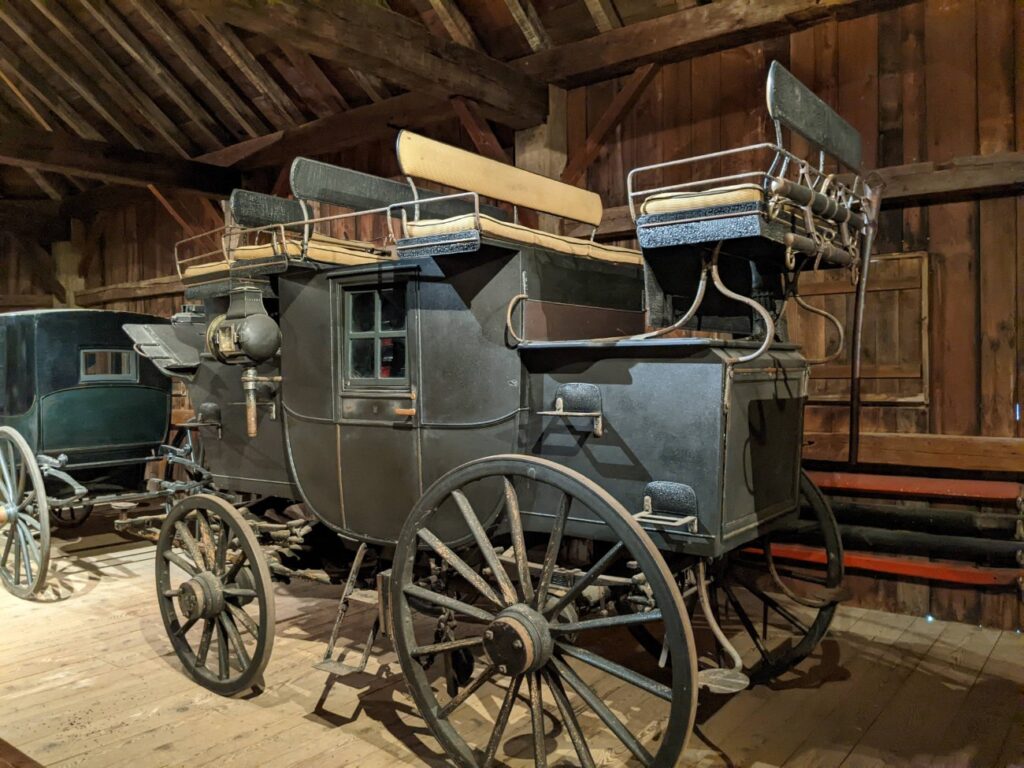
(88, 679)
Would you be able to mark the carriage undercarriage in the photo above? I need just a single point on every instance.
(555, 525)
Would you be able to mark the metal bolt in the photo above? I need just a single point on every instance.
(517, 644)
(488, 635)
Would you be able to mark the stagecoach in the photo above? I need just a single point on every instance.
(81, 417)
(539, 448)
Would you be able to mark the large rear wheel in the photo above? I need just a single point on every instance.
(24, 518)
(509, 648)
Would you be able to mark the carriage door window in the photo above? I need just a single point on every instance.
(375, 340)
(108, 365)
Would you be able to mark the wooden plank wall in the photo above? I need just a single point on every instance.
(931, 81)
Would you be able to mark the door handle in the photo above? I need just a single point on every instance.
(405, 411)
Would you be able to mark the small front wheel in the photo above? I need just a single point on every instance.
(24, 518)
(215, 593)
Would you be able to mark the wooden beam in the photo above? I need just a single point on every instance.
(329, 134)
(278, 107)
(87, 204)
(170, 33)
(455, 23)
(964, 178)
(973, 454)
(209, 129)
(119, 85)
(528, 20)
(479, 131)
(65, 68)
(143, 289)
(389, 45)
(316, 88)
(19, 72)
(691, 32)
(624, 100)
(605, 15)
(63, 153)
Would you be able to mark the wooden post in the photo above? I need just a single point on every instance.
(542, 149)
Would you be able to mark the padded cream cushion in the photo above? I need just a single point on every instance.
(671, 202)
(517, 233)
(424, 158)
(321, 248)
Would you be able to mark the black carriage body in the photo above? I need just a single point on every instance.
(71, 383)
(361, 451)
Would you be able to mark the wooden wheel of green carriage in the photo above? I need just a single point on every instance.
(215, 593)
(24, 518)
(508, 649)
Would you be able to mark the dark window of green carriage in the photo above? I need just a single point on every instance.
(375, 337)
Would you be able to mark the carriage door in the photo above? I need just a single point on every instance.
(377, 437)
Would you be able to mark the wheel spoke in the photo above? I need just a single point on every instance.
(206, 541)
(190, 544)
(508, 592)
(551, 555)
(181, 562)
(586, 580)
(247, 622)
(26, 555)
(235, 639)
(204, 643)
(614, 669)
(572, 725)
(515, 524)
(223, 662)
(466, 692)
(772, 603)
(600, 709)
(220, 558)
(540, 757)
(501, 721)
(236, 566)
(7, 468)
(436, 598)
(182, 630)
(239, 592)
(17, 555)
(7, 546)
(748, 625)
(461, 566)
(623, 620)
(447, 647)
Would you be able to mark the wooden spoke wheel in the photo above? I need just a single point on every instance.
(784, 607)
(24, 518)
(509, 650)
(216, 596)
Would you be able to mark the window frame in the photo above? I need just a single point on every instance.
(376, 334)
(131, 376)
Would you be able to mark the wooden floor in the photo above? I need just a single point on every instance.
(87, 678)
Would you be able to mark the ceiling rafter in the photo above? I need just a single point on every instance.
(456, 24)
(122, 86)
(694, 31)
(19, 103)
(528, 20)
(211, 132)
(390, 46)
(65, 68)
(313, 84)
(167, 29)
(279, 108)
(604, 13)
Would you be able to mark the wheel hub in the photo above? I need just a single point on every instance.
(5, 516)
(518, 640)
(201, 597)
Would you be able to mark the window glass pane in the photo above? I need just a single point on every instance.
(392, 309)
(361, 362)
(362, 312)
(108, 364)
(392, 358)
